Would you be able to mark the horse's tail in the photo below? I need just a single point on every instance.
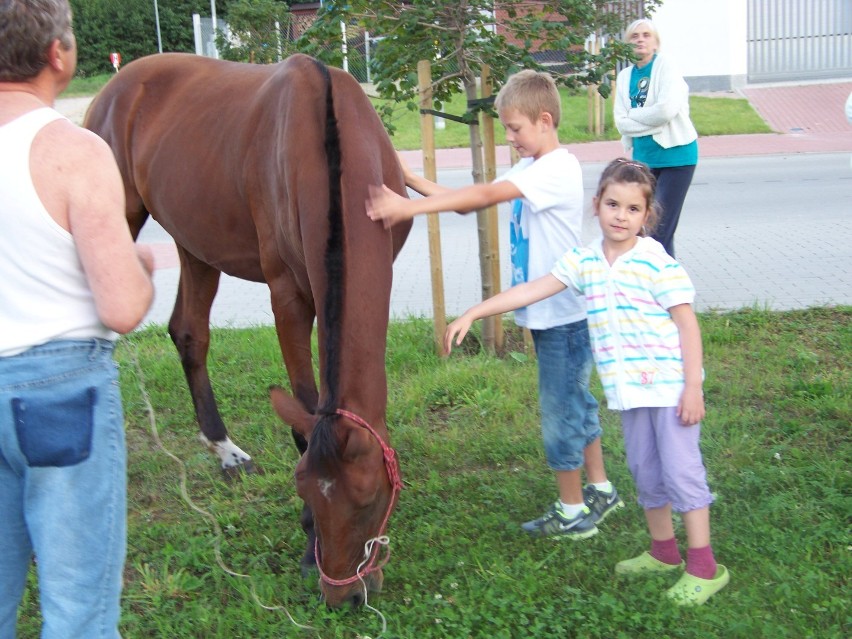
(322, 440)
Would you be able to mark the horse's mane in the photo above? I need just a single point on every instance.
(324, 448)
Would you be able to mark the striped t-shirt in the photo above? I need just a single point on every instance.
(635, 342)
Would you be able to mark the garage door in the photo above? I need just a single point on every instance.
(799, 40)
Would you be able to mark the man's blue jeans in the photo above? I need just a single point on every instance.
(569, 411)
(63, 487)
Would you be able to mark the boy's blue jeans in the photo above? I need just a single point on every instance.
(63, 487)
(569, 412)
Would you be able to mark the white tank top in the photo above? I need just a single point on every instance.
(44, 294)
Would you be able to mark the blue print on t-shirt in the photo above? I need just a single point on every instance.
(520, 245)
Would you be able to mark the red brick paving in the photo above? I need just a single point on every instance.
(812, 108)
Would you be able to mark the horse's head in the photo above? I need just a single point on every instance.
(350, 480)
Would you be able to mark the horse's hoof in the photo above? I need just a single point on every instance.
(248, 467)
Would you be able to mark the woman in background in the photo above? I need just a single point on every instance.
(651, 112)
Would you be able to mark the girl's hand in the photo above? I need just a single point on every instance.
(690, 408)
(459, 328)
(385, 206)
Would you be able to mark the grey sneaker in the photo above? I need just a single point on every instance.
(555, 524)
(601, 504)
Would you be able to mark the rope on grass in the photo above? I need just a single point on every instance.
(217, 542)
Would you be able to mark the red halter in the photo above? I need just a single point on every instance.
(392, 468)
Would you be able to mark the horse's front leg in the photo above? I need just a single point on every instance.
(189, 328)
(294, 322)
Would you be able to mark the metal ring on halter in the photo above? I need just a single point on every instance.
(392, 469)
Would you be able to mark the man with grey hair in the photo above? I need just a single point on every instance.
(71, 278)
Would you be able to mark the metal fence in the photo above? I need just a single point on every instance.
(799, 39)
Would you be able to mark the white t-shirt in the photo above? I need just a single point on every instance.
(546, 222)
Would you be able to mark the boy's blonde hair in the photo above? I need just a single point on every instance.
(531, 93)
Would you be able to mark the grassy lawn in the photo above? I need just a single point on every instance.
(711, 116)
(776, 442)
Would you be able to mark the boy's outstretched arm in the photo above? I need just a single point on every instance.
(390, 208)
(509, 300)
(690, 408)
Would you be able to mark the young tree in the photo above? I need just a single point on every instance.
(256, 28)
(458, 38)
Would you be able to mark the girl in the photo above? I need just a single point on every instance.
(647, 347)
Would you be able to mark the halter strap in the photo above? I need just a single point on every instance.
(392, 469)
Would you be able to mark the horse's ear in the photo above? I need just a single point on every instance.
(291, 411)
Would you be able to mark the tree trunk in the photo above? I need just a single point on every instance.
(485, 252)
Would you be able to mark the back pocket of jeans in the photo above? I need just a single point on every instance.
(55, 431)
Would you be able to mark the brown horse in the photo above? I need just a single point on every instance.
(261, 172)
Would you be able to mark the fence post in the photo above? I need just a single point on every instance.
(492, 222)
(430, 172)
(367, 53)
(213, 19)
(344, 47)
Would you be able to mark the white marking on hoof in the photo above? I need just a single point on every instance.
(228, 452)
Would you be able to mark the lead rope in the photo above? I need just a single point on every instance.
(149, 408)
(382, 540)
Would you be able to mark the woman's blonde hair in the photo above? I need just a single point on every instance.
(634, 26)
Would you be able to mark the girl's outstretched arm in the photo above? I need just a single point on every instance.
(509, 300)
(690, 408)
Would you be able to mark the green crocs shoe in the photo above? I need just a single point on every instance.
(644, 564)
(694, 591)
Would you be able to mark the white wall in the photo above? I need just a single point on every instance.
(707, 38)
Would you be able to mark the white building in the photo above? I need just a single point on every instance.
(724, 44)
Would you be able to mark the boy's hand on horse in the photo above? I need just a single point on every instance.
(386, 206)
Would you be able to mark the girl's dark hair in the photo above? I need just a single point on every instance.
(622, 170)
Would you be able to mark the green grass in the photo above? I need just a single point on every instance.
(776, 442)
(711, 116)
(81, 87)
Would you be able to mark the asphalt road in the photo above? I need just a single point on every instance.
(770, 231)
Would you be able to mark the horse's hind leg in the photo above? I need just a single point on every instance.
(189, 329)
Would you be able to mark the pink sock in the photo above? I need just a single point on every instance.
(700, 562)
(666, 551)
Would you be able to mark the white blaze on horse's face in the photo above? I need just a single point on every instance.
(325, 486)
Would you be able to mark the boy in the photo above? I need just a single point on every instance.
(546, 189)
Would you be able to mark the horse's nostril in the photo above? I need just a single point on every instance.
(357, 599)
